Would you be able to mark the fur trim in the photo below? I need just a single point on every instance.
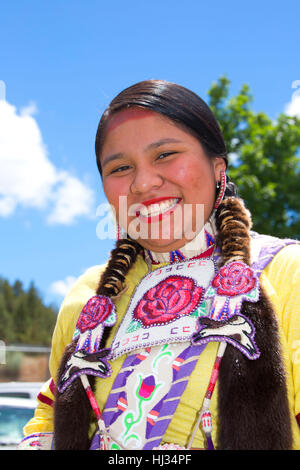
(253, 405)
(72, 412)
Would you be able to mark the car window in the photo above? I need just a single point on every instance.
(12, 421)
(15, 394)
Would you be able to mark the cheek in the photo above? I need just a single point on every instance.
(195, 178)
(113, 190)
(183, 174)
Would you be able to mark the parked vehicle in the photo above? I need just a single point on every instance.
(14, 414)
(20, 389)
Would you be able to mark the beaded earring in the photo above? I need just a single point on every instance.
(221, 186)
(119, 234)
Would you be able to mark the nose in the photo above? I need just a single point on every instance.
(146, 179)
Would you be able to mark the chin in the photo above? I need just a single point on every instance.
(163, 245)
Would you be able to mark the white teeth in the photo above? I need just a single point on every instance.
(157, 208)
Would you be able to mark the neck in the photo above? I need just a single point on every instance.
(201, 245)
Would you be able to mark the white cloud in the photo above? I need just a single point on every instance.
(62, 287)
(72, 199)
(293, 107)
(28, 178)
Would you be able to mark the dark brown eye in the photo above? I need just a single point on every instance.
(120, 169)
(164, 155)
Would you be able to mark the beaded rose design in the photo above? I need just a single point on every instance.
(88, 358)
(173, 297)
(97, 313)
(233, 283)
(234, 279)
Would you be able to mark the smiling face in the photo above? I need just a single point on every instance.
(165, 178)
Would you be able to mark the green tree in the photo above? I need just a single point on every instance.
(17, 288)
(23, 316)
(22, 321)
(6, 322)
(264, 163)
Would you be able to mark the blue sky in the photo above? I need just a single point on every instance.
(61, 62)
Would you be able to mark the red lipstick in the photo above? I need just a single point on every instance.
(156, 218)
(157, 200)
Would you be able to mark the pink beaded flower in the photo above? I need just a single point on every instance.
(234, 283)
(234, 279)
(97, 313)
(173, 297)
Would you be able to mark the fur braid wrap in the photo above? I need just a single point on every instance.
(72, 412)
(252, 395)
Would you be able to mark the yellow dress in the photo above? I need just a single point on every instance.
(281, 281)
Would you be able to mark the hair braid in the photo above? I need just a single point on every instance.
(111, 283)
(122, 258)
(233, 222)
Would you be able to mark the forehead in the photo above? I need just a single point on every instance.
(127, 115)
(142, 125)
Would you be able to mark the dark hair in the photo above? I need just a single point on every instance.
(179, 104)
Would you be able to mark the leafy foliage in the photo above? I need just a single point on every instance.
(24, 319)
(264, 159)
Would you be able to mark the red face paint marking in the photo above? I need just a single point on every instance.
(126, 115)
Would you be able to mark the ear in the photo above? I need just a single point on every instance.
(219, 165)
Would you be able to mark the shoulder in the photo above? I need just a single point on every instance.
(285, 266)
(279, 264)
(85, 285)
(267, 250)
(277, 260)
(289, 255)
(81, 291)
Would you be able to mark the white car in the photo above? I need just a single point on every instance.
(20, 389)
(14, 414)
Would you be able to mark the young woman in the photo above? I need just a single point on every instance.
(189, 336)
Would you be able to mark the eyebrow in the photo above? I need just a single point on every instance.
(158, 143)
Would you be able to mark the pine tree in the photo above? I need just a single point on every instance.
(24, 319)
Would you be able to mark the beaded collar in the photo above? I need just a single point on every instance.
(201, 246)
